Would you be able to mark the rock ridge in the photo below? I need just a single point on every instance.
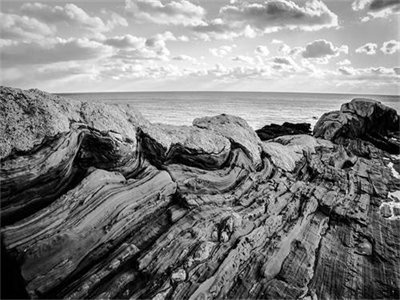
(97, 202)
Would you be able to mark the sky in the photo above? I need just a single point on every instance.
(333, 46)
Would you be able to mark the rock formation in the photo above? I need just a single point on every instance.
(269, 132)
(96, 202)
(362, 118)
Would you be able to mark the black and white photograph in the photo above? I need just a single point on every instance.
(200, 149)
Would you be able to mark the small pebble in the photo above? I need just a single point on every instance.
(224, 237)
(179, 275)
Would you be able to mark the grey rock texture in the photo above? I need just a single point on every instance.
(103, 204)
(361, 118)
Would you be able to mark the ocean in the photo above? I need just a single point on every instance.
(257, 108)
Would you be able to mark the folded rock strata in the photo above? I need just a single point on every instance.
(103, 204)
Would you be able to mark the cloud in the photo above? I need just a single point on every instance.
(23, 27)
(323, 49)
(369, 49)
(313, 15)
(390, 47)
(372, 74)
(347, 71)
(72, 15)
(185, 58)
(344, 62)
(262, 50)
(222, 51)
(52, 50)
(167, 12)
(140, 48)
(256, 18)
(377, 8)
(243, 59)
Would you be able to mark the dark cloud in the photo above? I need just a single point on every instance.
(377, 8)
(377, 5)
(249, 18)
(321, 49)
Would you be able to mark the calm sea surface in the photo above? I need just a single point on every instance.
(257, 108)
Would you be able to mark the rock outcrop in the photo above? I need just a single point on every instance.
(362, 118)
(269, 132)
(96, 202)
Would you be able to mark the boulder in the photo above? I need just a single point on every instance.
(362, 118)
(236, 130)
(272, 131)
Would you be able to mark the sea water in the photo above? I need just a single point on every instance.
(257, 108)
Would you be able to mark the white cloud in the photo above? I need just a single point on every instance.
(390, 47)
(369, 73)
(23, 27)
(369, 49)
(377, 8)
(275, 41)
(222, 51)
(72, 15)
(323, 49)
(344, 62)
(167, 12)
(262, 50)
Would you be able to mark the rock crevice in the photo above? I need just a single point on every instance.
(104, 204)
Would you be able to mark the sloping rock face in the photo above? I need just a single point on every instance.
(121, 208)
(361, 118)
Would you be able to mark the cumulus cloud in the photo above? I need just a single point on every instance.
(262, 50)
(23, 27)
(72, 15)
(255, 18)
(140, 48)
(222, 51)
(390, 47)
(320, 49)
(377, 8)
(313, 15)
(52, 50)
(369, 49)
(168, 12)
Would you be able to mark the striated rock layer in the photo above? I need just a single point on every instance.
(96, 202)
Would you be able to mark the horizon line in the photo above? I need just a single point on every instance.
(277, 92)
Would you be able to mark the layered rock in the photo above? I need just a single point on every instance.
(121, 208)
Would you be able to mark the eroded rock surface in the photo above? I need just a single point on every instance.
(104, 204)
